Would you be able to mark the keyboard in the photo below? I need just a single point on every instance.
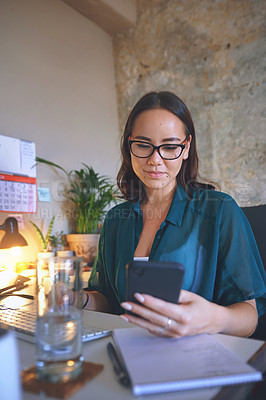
(23, 323)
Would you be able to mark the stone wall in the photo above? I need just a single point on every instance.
(211, 53)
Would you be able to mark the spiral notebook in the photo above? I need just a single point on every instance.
(160, 365)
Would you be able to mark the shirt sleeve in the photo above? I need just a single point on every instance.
(241, 275)
(99, 278)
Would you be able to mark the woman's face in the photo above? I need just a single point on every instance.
(159, 126)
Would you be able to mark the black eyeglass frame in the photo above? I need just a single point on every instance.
(130, 141)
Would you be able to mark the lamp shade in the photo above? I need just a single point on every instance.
(12, 237)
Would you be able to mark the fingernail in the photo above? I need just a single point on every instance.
(124, 318)
(126, 306)
(139, 297)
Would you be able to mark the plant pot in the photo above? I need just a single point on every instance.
(43, 258)
(44, 255)
(84, 245)
(64, 253)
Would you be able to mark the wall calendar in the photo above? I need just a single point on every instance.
(18, 194)
(18, 185)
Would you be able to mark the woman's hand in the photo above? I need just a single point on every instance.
(192, 315)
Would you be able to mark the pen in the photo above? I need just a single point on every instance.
(9, 291)
(13, 288)
(25, 296)
(118, 367)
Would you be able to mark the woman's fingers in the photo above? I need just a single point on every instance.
(155, 316)
(171, 310)
(192, 315)
(185, 296)
(155, 329)
(146, 313)
(169, 319)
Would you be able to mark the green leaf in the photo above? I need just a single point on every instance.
(90, 194)
(44, 241)
(49, 232)
(43, 161)
(39, 234)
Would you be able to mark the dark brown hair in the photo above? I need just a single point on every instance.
(128, 182)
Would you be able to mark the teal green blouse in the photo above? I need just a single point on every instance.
(208, 233)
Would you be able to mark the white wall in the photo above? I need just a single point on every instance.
(57, 88)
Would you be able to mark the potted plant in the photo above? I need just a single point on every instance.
(59, 245)
(90, 194)
(46, 250)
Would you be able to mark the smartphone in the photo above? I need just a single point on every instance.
(158, 278)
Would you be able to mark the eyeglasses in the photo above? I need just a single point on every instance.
(142, 149)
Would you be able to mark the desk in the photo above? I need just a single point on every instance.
(105, 386)
(19, 302)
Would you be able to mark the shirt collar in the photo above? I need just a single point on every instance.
(177, 208)
(136, 207)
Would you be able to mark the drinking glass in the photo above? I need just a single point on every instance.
(59, 322)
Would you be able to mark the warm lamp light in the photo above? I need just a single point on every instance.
(12, 237)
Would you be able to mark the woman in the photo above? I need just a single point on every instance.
(170, 215)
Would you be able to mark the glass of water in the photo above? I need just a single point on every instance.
(59, 322)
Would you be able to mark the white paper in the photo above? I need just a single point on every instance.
(158, 365)
(17, 157)
(9, 155)
(44, 194)
(27, 160)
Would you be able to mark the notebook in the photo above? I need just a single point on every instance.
(160, 365)
(23, 323)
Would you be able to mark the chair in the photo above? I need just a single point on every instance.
(257, 218)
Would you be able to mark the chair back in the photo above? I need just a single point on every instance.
(257, 218)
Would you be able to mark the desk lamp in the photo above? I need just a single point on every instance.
(12, 237)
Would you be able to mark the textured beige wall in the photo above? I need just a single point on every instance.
(212, 53)
(57, 88)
